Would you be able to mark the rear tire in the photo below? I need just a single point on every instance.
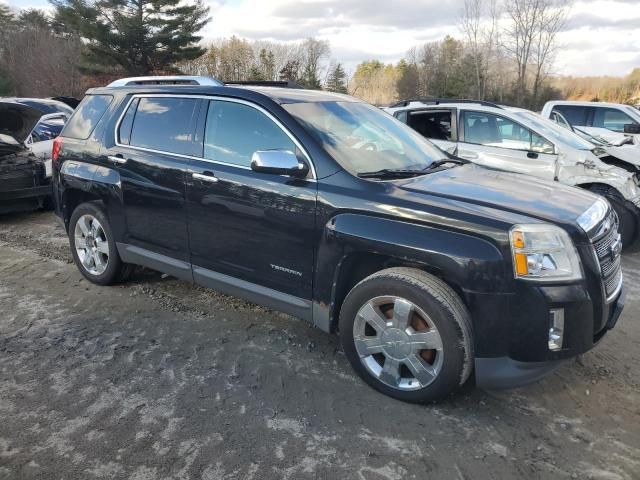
(407, 334)
(627, 220)
(93, 246)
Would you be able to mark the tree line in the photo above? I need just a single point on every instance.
(503, 50)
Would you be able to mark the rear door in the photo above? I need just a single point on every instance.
(495, 141)
(155, 138)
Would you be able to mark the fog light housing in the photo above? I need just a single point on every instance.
(556, 329)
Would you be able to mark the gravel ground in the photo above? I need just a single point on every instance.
(160, 379)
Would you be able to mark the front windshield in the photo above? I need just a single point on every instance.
(363, 138)
(553, 131)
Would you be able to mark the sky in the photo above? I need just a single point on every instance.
(602, 37)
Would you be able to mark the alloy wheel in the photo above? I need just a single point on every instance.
(398, 343)
(91, 244)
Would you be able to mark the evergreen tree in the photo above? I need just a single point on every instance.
(337, 80)
(408, 80)
(290, 71)
(140, 36)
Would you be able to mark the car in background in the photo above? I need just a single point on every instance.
(620, 149)
(598, 118)
(518, 140)
(24, 183)
(53, 117)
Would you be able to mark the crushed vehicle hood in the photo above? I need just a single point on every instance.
(521, 194)
(17, 121)
(626, 153)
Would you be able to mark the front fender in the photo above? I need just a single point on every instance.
(468, 262)
(596, 171)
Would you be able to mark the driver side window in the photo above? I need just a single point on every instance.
(495, 131)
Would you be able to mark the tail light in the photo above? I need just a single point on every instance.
(55, 151)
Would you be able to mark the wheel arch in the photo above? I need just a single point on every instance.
(348, 254)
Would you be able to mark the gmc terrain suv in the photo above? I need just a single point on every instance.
(326, 208)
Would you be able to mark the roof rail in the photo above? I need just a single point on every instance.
(438, 101)
(166, 80)
(266, 83)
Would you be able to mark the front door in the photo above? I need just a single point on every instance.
(155, 138)
(497, 142)
(247, 229)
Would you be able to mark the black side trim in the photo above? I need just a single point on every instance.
(155, 261)
(283, 302)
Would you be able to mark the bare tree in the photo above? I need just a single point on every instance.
(531, 38)
(552, 19)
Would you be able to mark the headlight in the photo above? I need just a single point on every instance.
(544, 252)
(593, 215)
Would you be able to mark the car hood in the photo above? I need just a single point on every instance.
(17, 121)
(523, 195)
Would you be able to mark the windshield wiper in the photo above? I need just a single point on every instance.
(405, 173)
(444, 161)
(391, 173)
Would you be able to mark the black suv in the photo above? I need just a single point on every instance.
(329, 209)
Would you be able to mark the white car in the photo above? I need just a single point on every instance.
(598, 118)
(518, 140)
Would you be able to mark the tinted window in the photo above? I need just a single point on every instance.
(611, 118)
(494, 131)
(436, 125)
(124, 132)
(87, 116)
(575, 114)
(165, 124)
(235, 131)
(363, 138)
(48, 129)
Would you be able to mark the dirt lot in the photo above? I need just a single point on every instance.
(162, 379)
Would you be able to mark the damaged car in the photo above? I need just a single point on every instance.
(520, 141)
(24, 183)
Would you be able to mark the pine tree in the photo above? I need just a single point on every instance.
(337, 80)
(140, 36)
(290, 71)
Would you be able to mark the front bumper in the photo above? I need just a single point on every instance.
(521, 355)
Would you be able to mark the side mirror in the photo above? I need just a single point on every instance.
(278, 162)
(633, 128)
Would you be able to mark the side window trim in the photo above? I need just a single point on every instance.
(531, 130)
(200, 139)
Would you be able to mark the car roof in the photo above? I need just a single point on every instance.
(44, 105)
(585, 104)
(441, 105)
(277, 94)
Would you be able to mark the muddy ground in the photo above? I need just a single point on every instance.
(160, 379)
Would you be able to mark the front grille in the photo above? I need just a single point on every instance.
(609, 256)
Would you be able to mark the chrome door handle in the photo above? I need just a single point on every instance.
(205, 178)
(119, 160)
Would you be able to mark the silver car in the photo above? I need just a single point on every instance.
(518, 140)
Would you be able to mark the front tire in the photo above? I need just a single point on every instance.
(93, 246)
(407, 334)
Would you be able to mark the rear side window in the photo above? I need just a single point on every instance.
(87, 116)
(575, 114)
(124, 131)
(165, 124)
(235, 131)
